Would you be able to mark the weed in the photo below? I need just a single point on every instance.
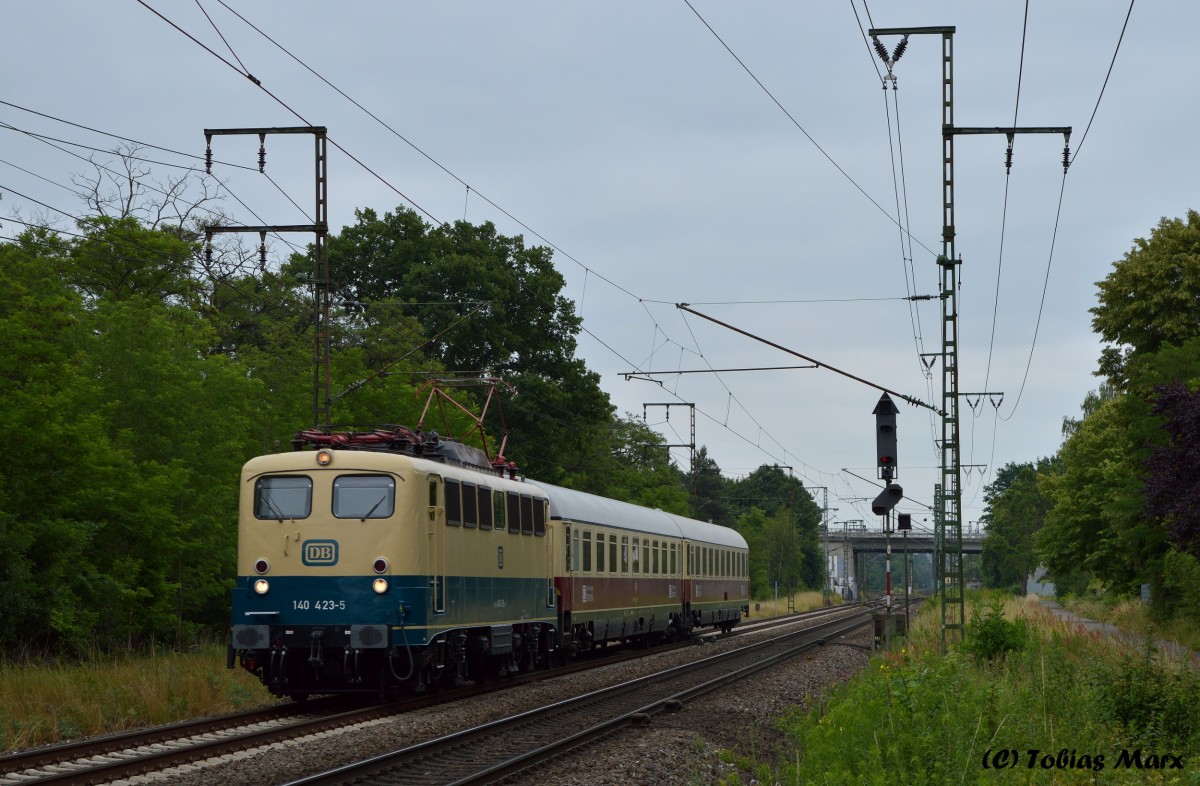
(991, 636)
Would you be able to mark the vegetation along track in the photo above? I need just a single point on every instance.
(116, 756)
(498, 749)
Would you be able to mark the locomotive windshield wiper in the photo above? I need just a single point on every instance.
(374, 507)
(278, 513)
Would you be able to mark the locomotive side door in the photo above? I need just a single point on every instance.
(437, 545)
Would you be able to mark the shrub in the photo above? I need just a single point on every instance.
(1155, 704)
(990, 636)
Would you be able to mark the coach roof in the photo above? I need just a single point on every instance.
(584, 508)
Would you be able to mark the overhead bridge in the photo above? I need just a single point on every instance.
(843, 546)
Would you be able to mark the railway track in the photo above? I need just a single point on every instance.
(124, 755)
(499, 749)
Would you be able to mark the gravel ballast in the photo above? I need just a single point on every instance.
(678, 748)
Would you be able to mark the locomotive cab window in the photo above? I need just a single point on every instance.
(364, 496)
(484, 497)
(453, 503)
(469, 500)
(283, 497)
(514, 513)
(527, 509)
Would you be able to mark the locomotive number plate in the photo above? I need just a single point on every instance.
(319, 605)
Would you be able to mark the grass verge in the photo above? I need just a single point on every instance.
(41, 704)
(1028, 700)
(1134, 616)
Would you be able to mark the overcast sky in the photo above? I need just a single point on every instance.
(628, 136)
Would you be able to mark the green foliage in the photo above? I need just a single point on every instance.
(1148, 300)
(1181, 585)
(923, 718)
(990, 636)
(1095, 521)
(490, 306)
(1016, 509)
(1154, 703)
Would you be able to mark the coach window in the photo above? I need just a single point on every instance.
(514, 513)
(624, 554)
(612, 553)
(599, 552)
(470, 511)
(575, 550)
(364, 496)
(654, 558)
(281, 497)
(636, 560)
(587, 552)
(484, 498)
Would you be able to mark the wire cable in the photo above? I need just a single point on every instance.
(796, 123)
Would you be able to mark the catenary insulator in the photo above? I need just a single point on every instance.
(899, 50)
(208, 153)
(1008, 160)
(262, 152)
(1066, 156)
(880, 48)
(262, 248)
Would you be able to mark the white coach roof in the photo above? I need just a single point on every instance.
(584, 508)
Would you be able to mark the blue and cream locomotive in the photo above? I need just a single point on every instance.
(390, 561)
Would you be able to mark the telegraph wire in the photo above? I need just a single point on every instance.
(222, 36)
(1105, 85)
(50, 141)
(467, 186)
(1058, 213)
(431, 159)
(796, 123)
(383, 180)
(116, 136)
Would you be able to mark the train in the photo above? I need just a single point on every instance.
(389, 562)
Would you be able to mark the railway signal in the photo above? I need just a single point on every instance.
(885, 436)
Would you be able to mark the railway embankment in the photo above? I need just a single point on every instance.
(1028, 697)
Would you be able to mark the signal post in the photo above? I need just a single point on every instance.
(886, 464)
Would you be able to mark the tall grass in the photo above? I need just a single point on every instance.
(1134, 616)
(42, 704)
(918, 717)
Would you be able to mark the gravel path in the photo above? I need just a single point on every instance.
(682, 748)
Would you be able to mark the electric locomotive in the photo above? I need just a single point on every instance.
(393, 561)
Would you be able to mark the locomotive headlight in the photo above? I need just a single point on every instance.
(380, 565)
(324, 457)
(380, 586)
(261, 566)
(261, 586)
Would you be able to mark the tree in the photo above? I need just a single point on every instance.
(489, 305)
(709, 497)
(1016, 509)
(1172, 488)
(1150, 297)
(1096, 503)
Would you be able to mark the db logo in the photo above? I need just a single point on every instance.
(319, 552)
